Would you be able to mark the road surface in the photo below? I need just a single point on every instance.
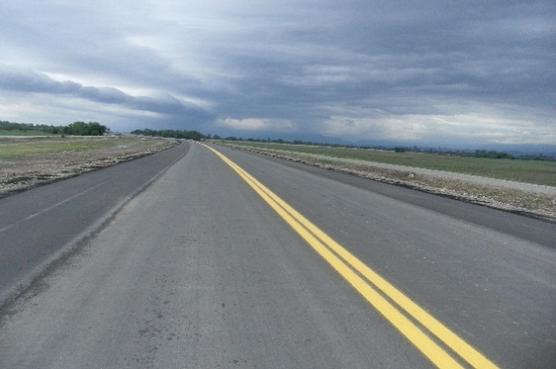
(215, 267)
(36, 224)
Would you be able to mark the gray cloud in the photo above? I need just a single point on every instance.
(438, 71)
(33, 82)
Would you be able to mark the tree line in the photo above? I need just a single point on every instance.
(75, 128)
(491, 154)
(173, 133)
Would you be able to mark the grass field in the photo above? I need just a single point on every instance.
(530, 171)
(17, 132)
(28, 161)
(37, 146)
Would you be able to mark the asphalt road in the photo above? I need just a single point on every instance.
(198, 271)
(36, 224)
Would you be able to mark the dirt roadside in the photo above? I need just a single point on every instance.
(28, 162)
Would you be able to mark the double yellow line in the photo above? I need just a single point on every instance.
(436, 341)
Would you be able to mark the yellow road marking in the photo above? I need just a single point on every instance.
(343, 262)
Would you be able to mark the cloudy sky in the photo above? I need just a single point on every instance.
(430, 72)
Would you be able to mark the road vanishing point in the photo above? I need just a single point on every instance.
(201, 256)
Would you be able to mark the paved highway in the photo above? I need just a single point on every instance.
(232, 260)
(36, 224)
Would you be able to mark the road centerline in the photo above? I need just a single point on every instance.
(437, 328)
(340, 259)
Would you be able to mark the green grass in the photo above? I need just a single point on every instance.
(531, 171)
(33, 147)
(19, 132)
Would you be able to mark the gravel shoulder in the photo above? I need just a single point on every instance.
(526, 198)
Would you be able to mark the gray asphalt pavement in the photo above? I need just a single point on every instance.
(36, 224)
(198, 272)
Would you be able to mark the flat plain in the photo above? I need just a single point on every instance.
(27, 161)
(541, 172)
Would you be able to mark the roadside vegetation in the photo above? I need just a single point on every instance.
(477, 153)
(191, 135)
(522, 170)
(28, 161)
(30, 129)
(22, 132)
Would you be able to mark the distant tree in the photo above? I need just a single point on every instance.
(76, 128)
(85, 129)
(192, 135)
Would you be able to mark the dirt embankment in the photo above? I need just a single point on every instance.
(524, 198)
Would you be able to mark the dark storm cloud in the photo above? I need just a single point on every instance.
(33, 82)
(427, 71)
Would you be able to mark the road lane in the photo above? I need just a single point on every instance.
(35, 224)
(348, 266)
(197, 272)
(497, 290)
